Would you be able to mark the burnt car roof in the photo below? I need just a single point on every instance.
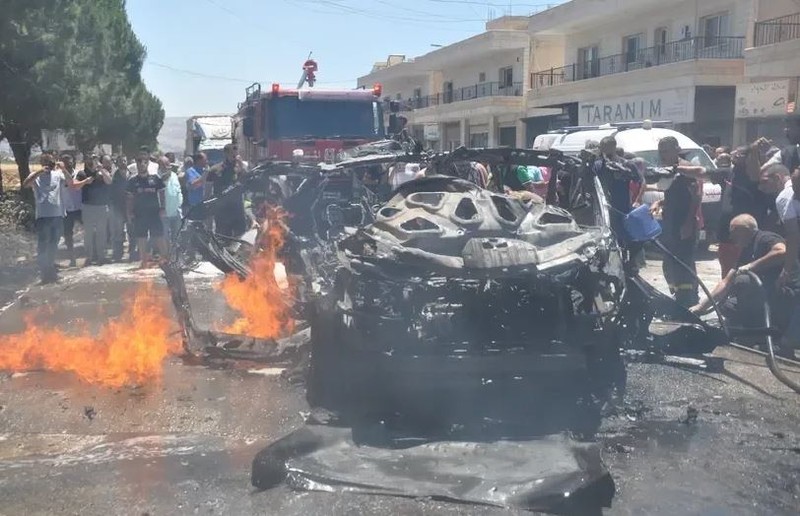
(499, 155)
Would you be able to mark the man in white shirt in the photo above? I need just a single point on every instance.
(789, 156)
(152, 165)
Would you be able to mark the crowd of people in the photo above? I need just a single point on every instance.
(141, 203)
(758, 233)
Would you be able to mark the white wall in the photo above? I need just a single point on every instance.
(468, 75)
(674, 15)
(405, 86)
(768, 9)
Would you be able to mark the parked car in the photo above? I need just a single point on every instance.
(641, 139)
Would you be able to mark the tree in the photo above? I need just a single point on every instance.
(72, 65)
(109, 66)
(34, 36)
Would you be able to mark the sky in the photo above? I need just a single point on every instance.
(202, 54)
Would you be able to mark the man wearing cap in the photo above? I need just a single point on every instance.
(680, 221)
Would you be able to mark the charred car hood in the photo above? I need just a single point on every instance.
(442, 222)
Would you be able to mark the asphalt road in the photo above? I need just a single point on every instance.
(184, 445)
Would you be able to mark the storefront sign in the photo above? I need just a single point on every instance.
(762, 99)
(431, 132)
(674, 105)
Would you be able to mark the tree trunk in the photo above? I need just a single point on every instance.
(21, 147)
(22, 155)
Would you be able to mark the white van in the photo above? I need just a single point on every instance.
(641, 139)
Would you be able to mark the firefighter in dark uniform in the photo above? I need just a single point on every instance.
(680, 221)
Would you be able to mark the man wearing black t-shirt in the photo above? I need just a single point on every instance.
(146, 201)
(96, 197)
(680, 221)
(740, 299)
(230, 219)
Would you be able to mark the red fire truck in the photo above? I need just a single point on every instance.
(280, 123)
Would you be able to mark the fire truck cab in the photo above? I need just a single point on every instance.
(280, 124)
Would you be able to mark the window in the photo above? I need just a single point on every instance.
(447, 94)
(714, 28)
(479, 140)
(507, 77)
(588, 62)
(631, 45)
(482, 77)
(660, 41)
(508, 137)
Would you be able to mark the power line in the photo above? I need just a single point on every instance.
(232, 79)
(545, 5)
(198, 74)
(338, 8)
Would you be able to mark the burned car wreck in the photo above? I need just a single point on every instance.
(447, 287)
(453, 285)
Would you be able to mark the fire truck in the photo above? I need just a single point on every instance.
(281, 124)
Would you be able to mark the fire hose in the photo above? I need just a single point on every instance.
(767, 331)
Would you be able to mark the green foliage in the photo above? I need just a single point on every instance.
(74, 65)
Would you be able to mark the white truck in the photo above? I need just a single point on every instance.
(641, 139)
(208, 134)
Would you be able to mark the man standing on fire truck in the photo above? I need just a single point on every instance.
(230, 219)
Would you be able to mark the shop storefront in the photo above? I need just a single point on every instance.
(761, 108)
(705, 114)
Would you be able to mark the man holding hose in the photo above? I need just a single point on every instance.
(738, 296)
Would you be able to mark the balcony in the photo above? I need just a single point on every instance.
(674, 52)
(777, 30)
(476, 91)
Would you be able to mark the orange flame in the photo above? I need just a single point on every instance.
(129, 350)
(265, 311)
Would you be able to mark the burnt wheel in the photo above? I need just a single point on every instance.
(325, 379)
(337, 380)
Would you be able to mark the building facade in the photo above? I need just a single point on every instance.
(626, 61)
(772, 66)
(723, 71)
(468, 93)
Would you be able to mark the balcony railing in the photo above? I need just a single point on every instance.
(674, 52)
(777, 30)
(476, 91)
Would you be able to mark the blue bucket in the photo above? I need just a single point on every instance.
(641, 226)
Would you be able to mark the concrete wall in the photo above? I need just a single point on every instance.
(768, 9)
(547, 53)
(770, 61)
(578, 15)
(478, 111)
(468, 74)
